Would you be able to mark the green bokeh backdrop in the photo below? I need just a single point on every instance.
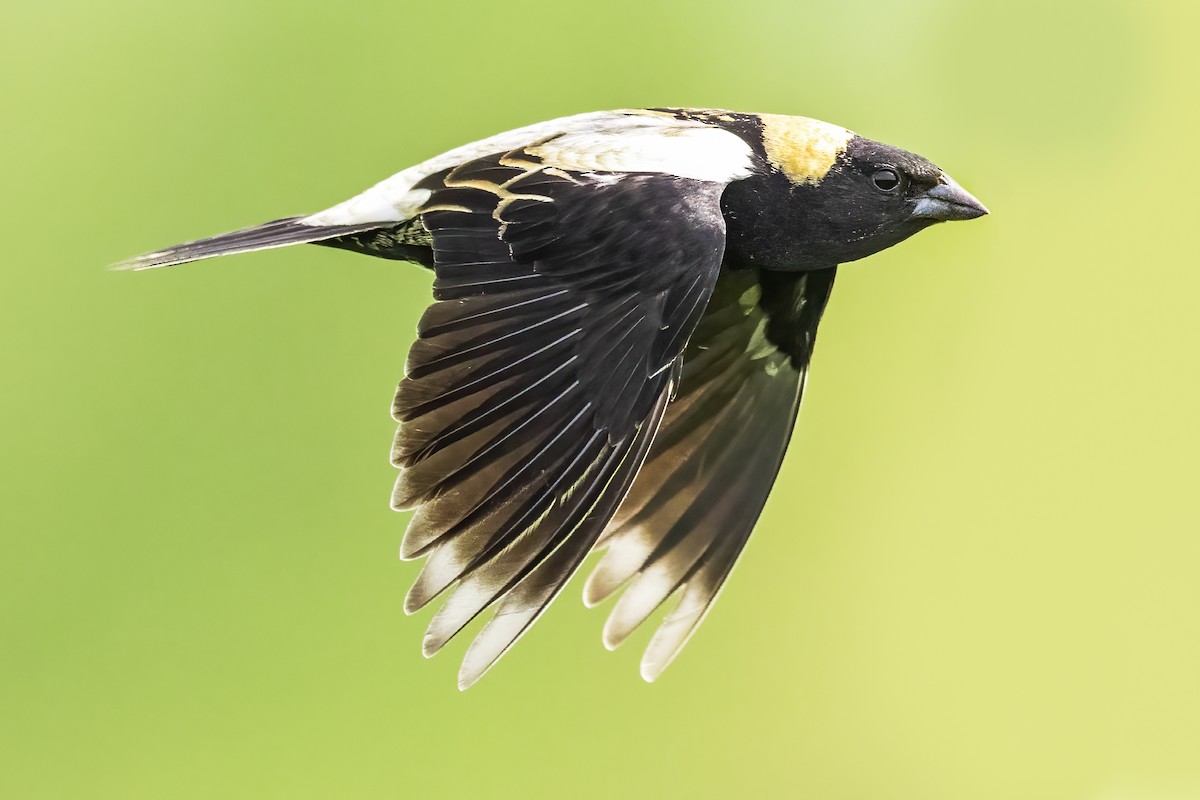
(977, 577)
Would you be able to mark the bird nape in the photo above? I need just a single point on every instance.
(625, 305)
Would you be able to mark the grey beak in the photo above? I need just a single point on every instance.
(948, 201)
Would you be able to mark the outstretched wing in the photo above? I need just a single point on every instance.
(706, 480)
(564, 300)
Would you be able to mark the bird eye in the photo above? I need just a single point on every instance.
(885, 179)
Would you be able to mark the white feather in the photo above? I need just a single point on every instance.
(651, 144)
(600, 141)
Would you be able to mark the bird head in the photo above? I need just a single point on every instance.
(826, 195)
(876, 195)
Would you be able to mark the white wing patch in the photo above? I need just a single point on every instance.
(601, 141)
(657, 144)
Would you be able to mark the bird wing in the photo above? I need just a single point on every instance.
(565, 294)
(709, 471)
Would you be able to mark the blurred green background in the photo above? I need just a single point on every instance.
(977, 577)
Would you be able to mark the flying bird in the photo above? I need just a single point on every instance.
(625, 305)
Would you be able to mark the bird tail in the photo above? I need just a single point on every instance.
(280, 233)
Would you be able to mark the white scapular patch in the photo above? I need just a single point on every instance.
(600, 141)
(636, 143)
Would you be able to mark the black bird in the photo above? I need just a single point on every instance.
(624, 311)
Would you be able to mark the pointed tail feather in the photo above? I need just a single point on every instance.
(280, 233)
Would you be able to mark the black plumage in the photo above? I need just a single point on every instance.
(625, 306)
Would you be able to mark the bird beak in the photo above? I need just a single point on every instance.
(947, 201)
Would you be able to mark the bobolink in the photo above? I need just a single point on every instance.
(624, 310)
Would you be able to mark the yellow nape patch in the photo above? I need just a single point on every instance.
(801, 148)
